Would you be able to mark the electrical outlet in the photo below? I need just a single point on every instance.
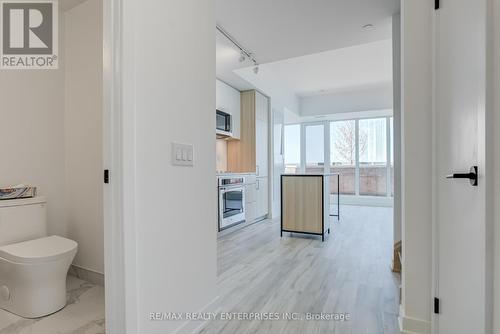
(182, 154)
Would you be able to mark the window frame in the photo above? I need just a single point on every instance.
(356, 117)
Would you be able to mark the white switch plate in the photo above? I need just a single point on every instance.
(182, 154)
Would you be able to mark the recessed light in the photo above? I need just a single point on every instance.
(368, 26)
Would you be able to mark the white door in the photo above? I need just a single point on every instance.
(460, 143)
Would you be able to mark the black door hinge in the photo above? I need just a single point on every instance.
(106, 176)
(436, 4)
(436, 305)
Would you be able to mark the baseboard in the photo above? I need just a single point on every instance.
(409, 325)
(85, 274)
(193, 326)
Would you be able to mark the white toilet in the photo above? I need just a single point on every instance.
(33, 266)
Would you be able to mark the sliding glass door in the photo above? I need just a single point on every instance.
(314, 148)
(360, 150)
(372, 147)
(292, 145)
(343, 155)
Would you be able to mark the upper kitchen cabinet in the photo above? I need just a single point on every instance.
(250, 153)
(227, 99)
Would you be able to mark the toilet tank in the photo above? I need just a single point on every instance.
(22, 220)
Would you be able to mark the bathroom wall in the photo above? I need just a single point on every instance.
(32, 134)
(83, 132)
(51, 130)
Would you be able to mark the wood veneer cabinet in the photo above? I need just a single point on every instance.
(244, 155)
(305, 204)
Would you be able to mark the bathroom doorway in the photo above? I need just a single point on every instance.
(55, 122)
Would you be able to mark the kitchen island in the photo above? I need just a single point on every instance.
(305, 203)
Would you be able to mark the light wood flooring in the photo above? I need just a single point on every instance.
(348, 273)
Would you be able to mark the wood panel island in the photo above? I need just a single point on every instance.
(305, 203)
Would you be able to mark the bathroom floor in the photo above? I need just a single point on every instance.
(84, 314)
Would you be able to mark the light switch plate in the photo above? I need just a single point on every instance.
(182, 154)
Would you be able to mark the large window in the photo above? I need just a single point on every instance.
(343, 156)
(315, 149)
(360, 150)
(372, 143)
(292, 148)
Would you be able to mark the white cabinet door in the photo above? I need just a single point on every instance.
(261, 134)
(235, 105)
(250, 209)
(261, 147)
(250, 193)
(262, 196)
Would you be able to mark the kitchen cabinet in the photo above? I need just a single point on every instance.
(250, 154)
(227, 99)
(250, 201)
(262, 197)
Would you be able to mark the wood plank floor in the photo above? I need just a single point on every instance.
(348, 273)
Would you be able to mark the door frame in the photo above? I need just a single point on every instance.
(119, 225)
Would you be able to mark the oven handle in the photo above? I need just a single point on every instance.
(231, 188)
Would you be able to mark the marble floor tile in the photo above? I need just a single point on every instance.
(83, 314)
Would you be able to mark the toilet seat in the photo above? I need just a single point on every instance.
(38, 250)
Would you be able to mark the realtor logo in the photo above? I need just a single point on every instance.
(29, 38)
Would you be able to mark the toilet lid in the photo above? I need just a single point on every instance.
(38, 250)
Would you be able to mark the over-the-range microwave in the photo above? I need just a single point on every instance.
(224, 125)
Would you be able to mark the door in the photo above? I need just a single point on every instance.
(460, 143)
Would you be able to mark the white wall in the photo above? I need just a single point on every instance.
(416, 62)
(32, 126)
(53, 120)
(169, 72)
(373, 97)
(83, 132)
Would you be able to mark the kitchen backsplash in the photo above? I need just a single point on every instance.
(221, 155)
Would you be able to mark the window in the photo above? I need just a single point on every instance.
(292, 148)
(315, 149)
(372, 146)
(343, 156)
(360, 150)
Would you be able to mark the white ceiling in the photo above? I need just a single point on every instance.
(311, 49)
(280, 29)
(344, 69)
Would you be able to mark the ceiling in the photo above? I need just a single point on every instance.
(315, 51)
(329, 72)
(280, 29)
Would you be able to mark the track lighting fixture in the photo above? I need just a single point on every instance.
(244, 54)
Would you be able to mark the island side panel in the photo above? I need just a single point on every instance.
(303, 204)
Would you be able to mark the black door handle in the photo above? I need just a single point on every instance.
(471, 175)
